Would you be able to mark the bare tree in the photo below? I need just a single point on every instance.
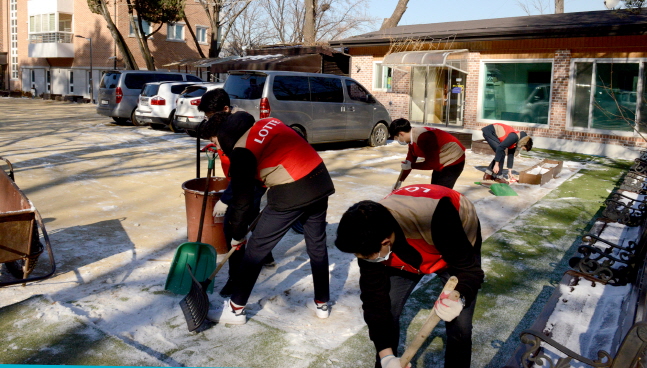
(396, 16)
(309, 33)
(101, 7)
(248, 31)
(222, 15)
(333, 19)
(531, 7)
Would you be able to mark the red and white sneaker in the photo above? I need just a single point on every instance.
(227, 314)
(322, 310)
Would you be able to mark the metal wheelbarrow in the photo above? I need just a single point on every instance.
(20, 246)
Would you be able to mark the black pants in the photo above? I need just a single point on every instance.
(448, 176)
(270, 229)
(490, 136)
(458, 351)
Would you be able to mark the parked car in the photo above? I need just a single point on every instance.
(321, 107)
(187, 116)
(157, 103)
(119, 91)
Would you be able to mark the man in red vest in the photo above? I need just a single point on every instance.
(299, 185)
(443, 153)
(501, 137)
(416, 230)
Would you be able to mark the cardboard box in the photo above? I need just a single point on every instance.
(528, 177)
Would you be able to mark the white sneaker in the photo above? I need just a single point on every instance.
(322, 310)
(226, 314)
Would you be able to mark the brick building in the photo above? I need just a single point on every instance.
(39, 39)
(573, 81)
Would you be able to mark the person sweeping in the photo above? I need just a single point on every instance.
(416, 230)
(442, 152)
(298, 189)
(501, 137)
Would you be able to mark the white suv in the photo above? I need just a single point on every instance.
(187, 115)
(156, 104)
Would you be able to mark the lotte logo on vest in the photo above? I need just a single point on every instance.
(265, 131)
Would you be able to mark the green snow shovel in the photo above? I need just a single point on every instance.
(200, 256)
(499, 189)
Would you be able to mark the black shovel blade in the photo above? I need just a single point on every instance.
(195, 304)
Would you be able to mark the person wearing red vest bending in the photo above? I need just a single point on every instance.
(443, 153)
(416, 230)
(299, 185)
(501, 137)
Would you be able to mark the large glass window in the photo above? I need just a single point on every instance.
(606, 95)
(518, 92)
(201, 34)
(175, 31)
(145, 25)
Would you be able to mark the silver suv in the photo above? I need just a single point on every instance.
(119, 91)
(322, 107)
(187, 115)
(157, 103)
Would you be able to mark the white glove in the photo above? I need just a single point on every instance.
(238, 243)
(219, 209)
(446, 308)
(391, 361)
(406, 165)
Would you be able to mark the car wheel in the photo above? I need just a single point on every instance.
(300, 130)
(172, 125)
(379, 135)
(134, 120)
(120, 121)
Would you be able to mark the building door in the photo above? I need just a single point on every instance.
(437, 96)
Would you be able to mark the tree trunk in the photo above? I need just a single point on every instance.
(559, 6)
(214, 47)
(195, 39)
(128, 58)
(141, 40)
(397, 15)
(309, 36)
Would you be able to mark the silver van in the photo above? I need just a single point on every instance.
(119, 91)
(322, 107)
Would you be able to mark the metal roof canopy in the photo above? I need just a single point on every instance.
(454, 59)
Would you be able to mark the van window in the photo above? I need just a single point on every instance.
(177, 89)
(169, 77)
(356, 91)
(109, 80)
(194, 91)
(193, 78)
(137, 80)
(245, 86)
(150, 90)
(324, 89)
(289, 88)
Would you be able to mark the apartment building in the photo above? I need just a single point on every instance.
(574, 81)
(48, 44)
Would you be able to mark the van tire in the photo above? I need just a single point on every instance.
(379, 135)
(301, 131)
(134, 120)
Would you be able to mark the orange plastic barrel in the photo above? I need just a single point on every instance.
(212, 231)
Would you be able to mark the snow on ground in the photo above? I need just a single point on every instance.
(113, 208)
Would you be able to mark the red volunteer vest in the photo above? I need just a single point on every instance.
(445, 142)
(503, 131)
(282, 155)
(413, 207)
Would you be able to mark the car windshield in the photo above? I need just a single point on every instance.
(245, 86)
(194, 91)
(109, 80)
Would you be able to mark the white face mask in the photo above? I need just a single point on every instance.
(404, 143)
(379, 258)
